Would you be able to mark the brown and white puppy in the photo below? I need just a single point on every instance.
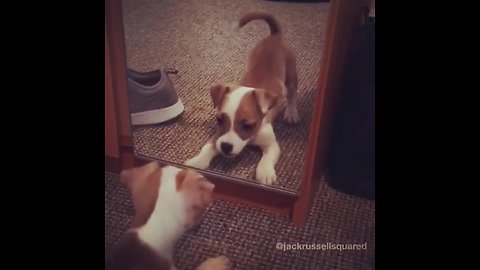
(167, 201)
(245, 112)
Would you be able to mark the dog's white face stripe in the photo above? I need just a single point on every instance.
(230, 106)
(232, 101)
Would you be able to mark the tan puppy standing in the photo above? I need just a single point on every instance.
(245, 112)
(167, 201)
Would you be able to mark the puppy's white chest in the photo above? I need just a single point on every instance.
(265, 135)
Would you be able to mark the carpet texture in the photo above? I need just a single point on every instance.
(249, 236)
(197, 38)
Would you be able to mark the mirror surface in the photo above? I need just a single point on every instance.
(198, 40)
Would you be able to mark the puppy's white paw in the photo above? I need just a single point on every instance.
(291, 114)
(217, 263)
(198, 162)
(266, 174)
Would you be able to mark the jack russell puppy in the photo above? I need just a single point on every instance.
(167, 201)
(245, 112)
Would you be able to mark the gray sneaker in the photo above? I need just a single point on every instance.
(152, 98)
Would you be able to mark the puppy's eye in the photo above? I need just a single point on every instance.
(247, 126)
(220, 120)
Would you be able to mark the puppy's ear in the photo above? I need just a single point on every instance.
(180, 178)
(218, 92)
(198, 188)
(143, 183)
(206, 185)
(189, 178)
(137, 176)
(265, 99)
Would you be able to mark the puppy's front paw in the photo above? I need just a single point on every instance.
(266, 174)
(291, 114)
(198, 162)
(217, 263)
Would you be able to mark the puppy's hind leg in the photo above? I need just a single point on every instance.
(291, 83)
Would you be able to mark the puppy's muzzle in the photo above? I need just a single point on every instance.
(226, 148)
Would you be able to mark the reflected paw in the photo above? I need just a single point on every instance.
(266, 174)
(197, 162)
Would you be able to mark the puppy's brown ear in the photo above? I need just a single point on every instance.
(198, 188)
(136, 176)
(180, 178)
(265, 99)
(206, 185)
(143, 183)
(190, 179)
(218, 92)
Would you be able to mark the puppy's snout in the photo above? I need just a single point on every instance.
(226, 148)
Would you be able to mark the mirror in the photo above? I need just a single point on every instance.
(177, 51)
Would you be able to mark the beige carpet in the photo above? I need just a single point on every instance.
(196, 38)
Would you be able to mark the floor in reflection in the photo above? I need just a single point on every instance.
(196, 38)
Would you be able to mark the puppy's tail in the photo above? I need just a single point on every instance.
(261, 15)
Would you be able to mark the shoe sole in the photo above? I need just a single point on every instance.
(157, 116)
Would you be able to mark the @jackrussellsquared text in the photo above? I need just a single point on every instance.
(320, 246)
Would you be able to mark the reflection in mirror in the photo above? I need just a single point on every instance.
(194, 101)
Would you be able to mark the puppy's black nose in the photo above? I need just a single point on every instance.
(226, 147)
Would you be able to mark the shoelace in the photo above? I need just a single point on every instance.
(171, 71)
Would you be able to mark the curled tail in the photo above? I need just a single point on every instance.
(261, 15)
